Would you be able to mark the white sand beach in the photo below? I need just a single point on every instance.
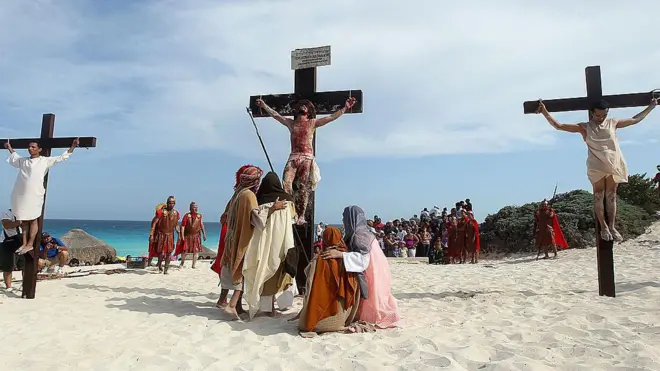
(513, 314)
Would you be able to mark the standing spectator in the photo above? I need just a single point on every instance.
(319, 231)
(468, 205)
(656, 179)
(11, 241)
(425, 236)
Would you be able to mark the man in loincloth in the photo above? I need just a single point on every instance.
(192, 230)
(161, 236)
(606, 167)
(242, 216)
(301, 165)
(27, 198)
(547, 230)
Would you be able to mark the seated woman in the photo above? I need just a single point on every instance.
(378, 307)
(332, 295)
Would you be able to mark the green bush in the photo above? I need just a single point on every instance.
(511, 229)
(640, 191)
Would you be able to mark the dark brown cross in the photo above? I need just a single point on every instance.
(325, 103)
(47, 142)
(595, 93)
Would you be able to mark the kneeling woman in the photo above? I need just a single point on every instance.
(377, 305)
(332, 295)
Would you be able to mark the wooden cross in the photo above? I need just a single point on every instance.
(47, 142)
(604, 250)
(326, 103)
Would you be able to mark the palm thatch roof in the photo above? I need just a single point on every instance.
(87, 248)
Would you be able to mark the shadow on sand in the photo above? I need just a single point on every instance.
(166, 301)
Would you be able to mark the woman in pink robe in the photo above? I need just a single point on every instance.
(364, 256)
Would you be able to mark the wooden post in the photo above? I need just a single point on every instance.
(604, 251)
(325, 103)
(47, 143)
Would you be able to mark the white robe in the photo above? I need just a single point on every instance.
(27, 198)
(266, 252)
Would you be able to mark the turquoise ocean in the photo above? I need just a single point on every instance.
(127, 237)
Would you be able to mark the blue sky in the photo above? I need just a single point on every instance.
(163, 86)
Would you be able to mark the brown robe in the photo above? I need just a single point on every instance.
(164, 236)
(452, 246)
(545, 235)
(191, 233)
(239, 232)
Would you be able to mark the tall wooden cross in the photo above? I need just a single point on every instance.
(595, 93)
(47, 143)
(326, 103)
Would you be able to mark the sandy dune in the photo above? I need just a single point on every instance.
(513, 314)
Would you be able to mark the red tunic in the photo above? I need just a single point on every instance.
(192, 240)
(164, 234)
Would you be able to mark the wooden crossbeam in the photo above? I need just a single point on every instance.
(582, 103)
(50, 143)
(325, 103)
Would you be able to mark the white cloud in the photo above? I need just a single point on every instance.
(163, 75)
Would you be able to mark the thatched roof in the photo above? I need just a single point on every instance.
(87, 248)
(206, 252)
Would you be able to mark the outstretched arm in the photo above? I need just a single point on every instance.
(274, 114)
(65, 156)
(14, 158)
(569, 128)
(622, 123)
(328, 119)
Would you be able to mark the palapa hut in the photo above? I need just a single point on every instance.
(206, 254)
(87, 248)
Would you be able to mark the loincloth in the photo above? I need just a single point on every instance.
(296, 160)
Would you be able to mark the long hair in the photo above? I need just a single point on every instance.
(311, 110)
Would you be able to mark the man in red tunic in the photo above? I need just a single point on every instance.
(472, 241)
(192, 230)
(162, 233)
(547, 230)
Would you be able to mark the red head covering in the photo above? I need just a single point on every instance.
(248, 176)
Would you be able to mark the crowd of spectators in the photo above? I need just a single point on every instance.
(423, 235)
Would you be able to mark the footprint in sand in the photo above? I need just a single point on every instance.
(594, 318)
(438, 362)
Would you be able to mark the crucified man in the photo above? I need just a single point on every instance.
(301, 162)
(27, 198)
(606, 167)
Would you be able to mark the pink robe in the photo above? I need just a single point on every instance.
(381, 308)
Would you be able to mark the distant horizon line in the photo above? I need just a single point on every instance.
(117, 220)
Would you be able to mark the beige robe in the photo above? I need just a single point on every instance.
(266, 252)
(237, 240)
(605, 157)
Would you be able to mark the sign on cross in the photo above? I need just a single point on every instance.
(47, 142)
(604, 250)
(325, 103)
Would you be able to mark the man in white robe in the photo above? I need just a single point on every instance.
(27, 198)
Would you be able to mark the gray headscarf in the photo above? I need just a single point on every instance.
(358, 238)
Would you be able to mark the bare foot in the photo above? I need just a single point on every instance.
(605, 234)
(230, 314)
(160, 269)
(220, 304)
(23, 250)
(616, 235)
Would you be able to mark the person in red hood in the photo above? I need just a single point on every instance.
(547, 230)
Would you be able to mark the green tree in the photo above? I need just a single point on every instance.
(640, 191)
(510, 229)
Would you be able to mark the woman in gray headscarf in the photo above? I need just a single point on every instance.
(364, 256)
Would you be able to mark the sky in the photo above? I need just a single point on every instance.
(163, 85)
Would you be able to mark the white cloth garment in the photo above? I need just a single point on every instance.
(8, 215)
(605, 157)
(258, 221)
(27, 198)
(266, 252)
(355, 262)
(284, 299)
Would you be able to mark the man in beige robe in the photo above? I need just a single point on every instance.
(606, 167)
(242, 217)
